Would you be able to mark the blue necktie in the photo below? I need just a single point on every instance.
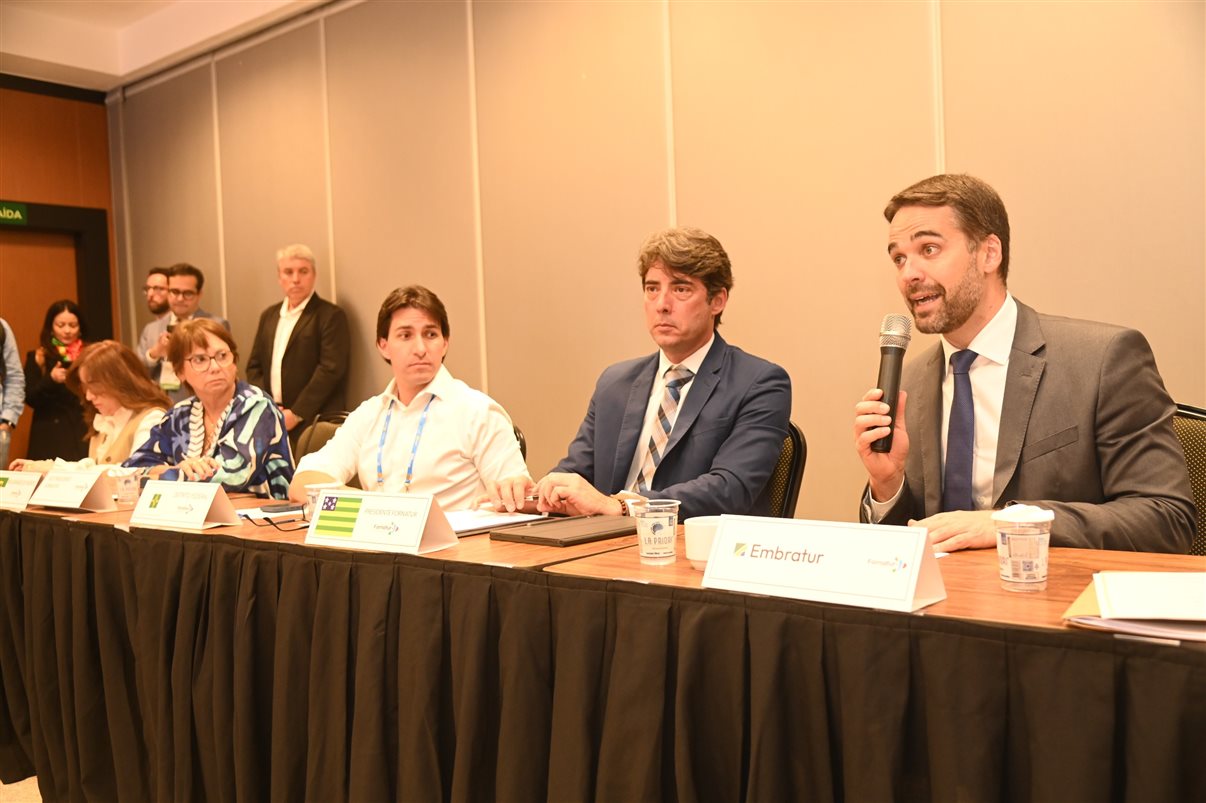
(960, 437)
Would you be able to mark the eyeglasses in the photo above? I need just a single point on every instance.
(149, 288)
(200, 362)
(174, 293)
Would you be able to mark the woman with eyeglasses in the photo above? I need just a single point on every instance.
(228, 431)
(121, 404)
(58, 428)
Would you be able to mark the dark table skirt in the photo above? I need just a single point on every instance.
(166, 666)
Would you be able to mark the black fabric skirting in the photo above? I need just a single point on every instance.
(174, 667)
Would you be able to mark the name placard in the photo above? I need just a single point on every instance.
(76, 488)
(411, 523)
(183, 506)
(16, 487)
(865, 565)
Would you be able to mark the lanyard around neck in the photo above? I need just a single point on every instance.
(414, 449)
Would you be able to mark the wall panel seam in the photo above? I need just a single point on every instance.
(326, 155)
(938, 86)
(476, 173)
(213, 92)
(127, 247)
(668, 94)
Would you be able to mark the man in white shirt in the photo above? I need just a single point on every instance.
(426, 432)
(699, 421)
(300, 353)
(1014, 405)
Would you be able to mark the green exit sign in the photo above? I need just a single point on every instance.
(13, 214)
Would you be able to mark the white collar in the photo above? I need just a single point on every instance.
(440, 386)
(286, 312)
(693, 361)
(995, 341)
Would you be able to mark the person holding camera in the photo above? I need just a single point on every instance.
(58, 428)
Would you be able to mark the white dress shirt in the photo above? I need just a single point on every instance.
(284, 330)
(467, 440)
(987, 374)
(692, 362)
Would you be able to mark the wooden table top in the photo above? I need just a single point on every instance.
(470, 549)
(973, 586)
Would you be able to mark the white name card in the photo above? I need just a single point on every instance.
(411, 523)
(16, 487)
(76, 488)
(183, 506)
(865, 565)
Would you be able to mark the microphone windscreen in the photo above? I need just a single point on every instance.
(896, 330)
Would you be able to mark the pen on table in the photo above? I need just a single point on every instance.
(488, 505)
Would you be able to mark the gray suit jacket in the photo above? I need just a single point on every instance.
(1086, 431)
(724, 444)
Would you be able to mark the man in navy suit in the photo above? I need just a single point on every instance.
(699, 421)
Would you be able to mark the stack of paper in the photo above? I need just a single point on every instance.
(1166, 605)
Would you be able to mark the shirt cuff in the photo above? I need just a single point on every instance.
(874, 511)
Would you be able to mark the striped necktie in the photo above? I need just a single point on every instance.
(960, 437)
(676, 378)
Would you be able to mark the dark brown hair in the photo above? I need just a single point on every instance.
(192, 334)
(414, 297)
(689, 252)
(977, 207)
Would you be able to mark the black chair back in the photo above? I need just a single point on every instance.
(783, 488)
(1190, 425)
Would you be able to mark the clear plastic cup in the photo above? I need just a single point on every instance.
(657, 529)
(1023, 541)
(312, 492)
(127, 488)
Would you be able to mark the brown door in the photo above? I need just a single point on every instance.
(36, 269)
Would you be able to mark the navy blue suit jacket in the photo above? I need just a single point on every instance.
(724, 444)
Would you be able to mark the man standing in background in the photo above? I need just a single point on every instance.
(12, 389)
(156, 291)
(184, 299)
(299, 356)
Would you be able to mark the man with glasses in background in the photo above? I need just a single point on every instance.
(184, 285)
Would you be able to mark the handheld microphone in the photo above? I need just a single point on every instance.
(894, 335)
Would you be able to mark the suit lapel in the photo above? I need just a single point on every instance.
(633, 421)
(1022, 378)
(929, 430)
(702, 386)
(306, 319)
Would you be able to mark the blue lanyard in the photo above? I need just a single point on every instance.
(414, 449)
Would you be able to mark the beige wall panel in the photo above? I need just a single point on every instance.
(794, 124)
(571, 115)
(402, 173)
(172, 185)
(270, 130)
(1088, 118)
(127, 290)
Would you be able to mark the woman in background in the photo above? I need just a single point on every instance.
(228, 431)
(121, 404)
(58, 428)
